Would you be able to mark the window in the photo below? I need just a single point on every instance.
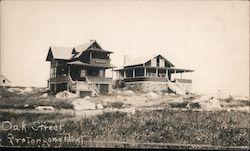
(151, 72)
(101, 73)
(162, 73)
(53, 72)
(3, 81)
(139, 72)
(129, 73)
(93, 46)
(83, 73)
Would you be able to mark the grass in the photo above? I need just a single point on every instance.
(149, 126)
(161, 126)
(11, 100)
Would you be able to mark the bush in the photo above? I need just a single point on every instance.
(116, 104)
(118, 84)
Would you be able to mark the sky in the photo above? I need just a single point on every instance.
(210, 37)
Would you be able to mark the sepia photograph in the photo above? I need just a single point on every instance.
(126, 74)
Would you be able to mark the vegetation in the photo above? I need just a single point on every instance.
(13, 100)
(168, 125)
(157, 126)
(116, 104)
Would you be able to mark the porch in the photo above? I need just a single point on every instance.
(158, 74)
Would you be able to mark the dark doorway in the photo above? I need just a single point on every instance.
(61, 87)
(104, 88)
(85, 93)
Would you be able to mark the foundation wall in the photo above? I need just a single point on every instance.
(185, 87)
(149, 86)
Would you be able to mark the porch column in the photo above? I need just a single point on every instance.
(157, 72)
(125, 76)
(119, 74)
(90, 55)
(69, 71)
(67, 87)
(166, 75)
(145, 72)
(133, 73)
(55, 87)
(181, 75)
(55, 72)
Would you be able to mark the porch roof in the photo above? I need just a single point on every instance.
(89, 65)
(171, 69)
(178, 70)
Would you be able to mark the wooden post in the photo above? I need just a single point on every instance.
(133, 73)
(90, 55)
(55, 88)
(145, 72)
(55, 72)
(125, 76)
(119, 74)
(69, 70)
(55, 79)
(156, 72)
(166, 75)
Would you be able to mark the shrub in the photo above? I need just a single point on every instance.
(118, 84)
(116, 104)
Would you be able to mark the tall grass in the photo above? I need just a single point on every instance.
(10, 100)
(161, 126)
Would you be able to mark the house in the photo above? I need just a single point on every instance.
(154, 73)
(80, 70)
(4, 81)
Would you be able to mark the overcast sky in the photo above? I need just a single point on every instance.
(209, 37)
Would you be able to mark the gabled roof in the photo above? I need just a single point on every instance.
(68, 53)
(142, 60)
(5, 78)
(64, 53)
(84, 47)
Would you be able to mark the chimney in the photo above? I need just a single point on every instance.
(127, 59)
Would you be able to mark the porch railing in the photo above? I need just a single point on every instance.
(71, 83)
